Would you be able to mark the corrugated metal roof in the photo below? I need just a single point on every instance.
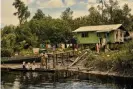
(98, 28)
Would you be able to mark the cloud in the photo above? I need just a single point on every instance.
(7, 11)
(50, 4)
(79, 13)
(120, 3)
(29, 1)
(91, 1)
(76, 14)
(51, 7)
(25, 1)
(70, 2)
(123, 2)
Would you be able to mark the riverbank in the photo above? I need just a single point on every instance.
(11, 67)
(118, 62)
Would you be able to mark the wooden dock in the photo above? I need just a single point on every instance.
(57, 63)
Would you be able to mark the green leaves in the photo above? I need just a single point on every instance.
(67, 14)
(39, 15)
(22, 11)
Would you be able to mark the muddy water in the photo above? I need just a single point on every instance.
(34, 80)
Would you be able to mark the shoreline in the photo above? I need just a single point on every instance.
(111, 74)
(97, 73)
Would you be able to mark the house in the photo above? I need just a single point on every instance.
(101, 33)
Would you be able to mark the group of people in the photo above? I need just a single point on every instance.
(29, 66)
(102, 45)
(33, 65)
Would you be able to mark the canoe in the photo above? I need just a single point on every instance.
(16, 60)
(30, 70)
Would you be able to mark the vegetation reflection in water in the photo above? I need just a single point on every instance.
(33, 80)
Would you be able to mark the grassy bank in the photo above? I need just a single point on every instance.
(119, 61)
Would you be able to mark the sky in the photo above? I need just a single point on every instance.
(51, 7)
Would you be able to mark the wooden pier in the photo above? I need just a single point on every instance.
(56, 63)
(60, 58)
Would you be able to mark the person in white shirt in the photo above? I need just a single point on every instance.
(28, 66)
(24, 65)
(33, 66)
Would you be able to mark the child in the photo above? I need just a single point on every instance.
(33, 65)
(28, 66)
(24, 66)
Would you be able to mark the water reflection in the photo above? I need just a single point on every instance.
(34, 80)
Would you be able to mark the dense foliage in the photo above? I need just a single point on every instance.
(113, 61)
(42, 28)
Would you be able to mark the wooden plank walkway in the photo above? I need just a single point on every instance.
(57, 62)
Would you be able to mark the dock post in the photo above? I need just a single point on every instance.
(56, 59)
(62, 58)
(46, 63)
(53, 62)
(67, 58)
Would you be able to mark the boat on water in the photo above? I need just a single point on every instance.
(26, 70)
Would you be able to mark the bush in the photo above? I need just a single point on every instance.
(6, 52)
(26, 52)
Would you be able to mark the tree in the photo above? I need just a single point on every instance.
(67, 14)
(127, 17)
(24, 34)
(22, 11)
(39, 15)
(109, 8)
(94, 17)
(8, 40)
(7, 30)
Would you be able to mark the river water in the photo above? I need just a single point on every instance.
(34, 80)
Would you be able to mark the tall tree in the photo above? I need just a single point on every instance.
(22, 11)
(109, 8)
(94, 17)
(39, 15)
(67, 14)
(127, 17)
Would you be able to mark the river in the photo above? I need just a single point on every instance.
(34, 80)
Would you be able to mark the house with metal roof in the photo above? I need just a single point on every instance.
(100, 33)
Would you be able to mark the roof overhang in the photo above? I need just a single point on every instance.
(104, 31)
(99, 28)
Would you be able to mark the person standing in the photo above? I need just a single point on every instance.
(104, 44)
(46, 59)
(97, 47)
(42, 60)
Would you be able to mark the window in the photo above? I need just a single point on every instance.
(84, 34)
(107, 34)
(98, 35)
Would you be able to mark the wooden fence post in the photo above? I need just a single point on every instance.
(62, 58)
(53, 62)
(46, 63)
(56, 59)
